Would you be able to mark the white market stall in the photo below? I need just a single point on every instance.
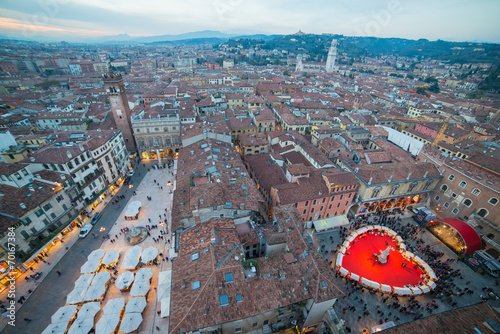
(131, 322)
(124, 281)
(164, 284)
(131, 259)
(133, 210)
(165, 307)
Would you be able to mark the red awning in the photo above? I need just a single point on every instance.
(471, 239)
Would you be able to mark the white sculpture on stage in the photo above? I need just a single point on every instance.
(382, 257)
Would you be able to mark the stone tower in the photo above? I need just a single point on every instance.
(119, 106)
(332, 55)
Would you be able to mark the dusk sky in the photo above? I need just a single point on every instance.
(456, 20)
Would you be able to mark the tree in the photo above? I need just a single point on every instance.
(434, 88)
(421, 91)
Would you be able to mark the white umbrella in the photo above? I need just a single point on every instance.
(101, 277)
(91, 266)
(84, 280)
(149, 254)
(130, 322)
(107, 324)
(139, 289)
(136, 305)
(165, 307)
(144, 274)
(131, 258)
(63, 314)
(96, 255)
(89, 310)
(76, 296)
(114, 306)
(95, 292)
(56, 329)
(124, 280)
(81, 326)
(110, 257)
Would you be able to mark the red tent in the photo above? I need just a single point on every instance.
(471, 239)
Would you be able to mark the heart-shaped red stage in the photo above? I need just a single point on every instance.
(358, 260)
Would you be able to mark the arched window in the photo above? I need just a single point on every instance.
(463, 184)
(427, 185)
(412, 186)
(376, 192)
(394, 189)
(482, 213)
(493, 201)
(451, 177)
(467, 202)
(476, 192)
(444, 187)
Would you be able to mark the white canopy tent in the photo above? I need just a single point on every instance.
(124, 280)
(84, 280)
(107, 324)
(144, 274)
(416, 291)
(63, 314)
(340, 257)
(386, 288)
(111, 257)
(140, 289)
(165, 307)
(113, 306)
(136, 305)
(59, 328)
(354, 277)
(131, 258)
(81, 326)
(431, 285)
(89, 310)
(130, 322)
(101, 277)
(76, 296)
(344, 271)
(149, 254)
(96, 255)
(330, 222)
(425, 289)
(164, 284)
(400, 291)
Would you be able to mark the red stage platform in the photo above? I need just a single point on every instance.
(361, 262)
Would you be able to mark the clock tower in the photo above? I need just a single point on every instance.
(119, 106)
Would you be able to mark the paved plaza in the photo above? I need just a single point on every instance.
(379, 309)
(49, 293)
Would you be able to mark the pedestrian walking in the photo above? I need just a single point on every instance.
(58, 272)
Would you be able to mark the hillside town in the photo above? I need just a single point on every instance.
(258, 173)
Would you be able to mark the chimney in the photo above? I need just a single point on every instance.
(370, 182)
(22, 205)
(409, 175)
(68, 153)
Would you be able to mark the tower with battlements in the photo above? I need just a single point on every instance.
(119, 106)
(332, 56)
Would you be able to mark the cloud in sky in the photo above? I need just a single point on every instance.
(446, 19)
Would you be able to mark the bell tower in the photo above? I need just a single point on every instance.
(332, 55)
(119, 106)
